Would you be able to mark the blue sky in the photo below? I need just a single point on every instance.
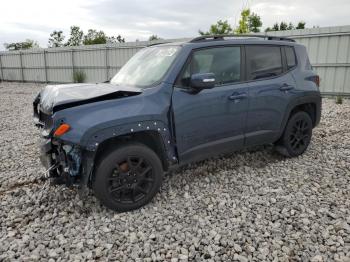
(138, 19)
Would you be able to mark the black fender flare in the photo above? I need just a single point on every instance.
(101, 135)
(307, 99)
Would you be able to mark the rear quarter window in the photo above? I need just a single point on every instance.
(263, 61)
(303, 58)
(290, 57)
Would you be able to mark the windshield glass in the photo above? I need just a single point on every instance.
(146, 67)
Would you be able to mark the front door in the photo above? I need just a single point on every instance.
(212, 121)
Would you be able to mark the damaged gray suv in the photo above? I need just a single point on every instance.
(176, 103)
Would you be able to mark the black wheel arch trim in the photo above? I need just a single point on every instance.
(115, 132)
(310, 98)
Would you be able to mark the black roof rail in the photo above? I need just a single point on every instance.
(221, 37)
(158, 43)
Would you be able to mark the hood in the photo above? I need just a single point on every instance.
(57, 97)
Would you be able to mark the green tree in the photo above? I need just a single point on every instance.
(254, 23)
(27, 44)
(94, 37)
(283, 26)
(301, 25)
(56, 39)
(290, 26)
(76, 36)
(249, 22)
(113, 39)
(220, 28)
(275, 27)
(153, 38)
(243, 24)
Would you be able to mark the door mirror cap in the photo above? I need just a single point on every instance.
(203, 81)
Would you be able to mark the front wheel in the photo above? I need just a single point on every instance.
(128, 177)
(297, 135)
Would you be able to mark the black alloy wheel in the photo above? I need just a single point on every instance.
(297, 135)
(128, 177)
(131, 180)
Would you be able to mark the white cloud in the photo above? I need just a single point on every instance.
(137, 19)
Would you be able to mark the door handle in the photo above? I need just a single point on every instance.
(236, 96)
(286, 87)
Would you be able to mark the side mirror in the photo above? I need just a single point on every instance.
(202, 81)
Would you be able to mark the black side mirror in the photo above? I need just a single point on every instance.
(202, 81)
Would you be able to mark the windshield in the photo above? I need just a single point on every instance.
(147, 67)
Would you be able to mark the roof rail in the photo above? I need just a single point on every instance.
(158, 43)
(221, 37)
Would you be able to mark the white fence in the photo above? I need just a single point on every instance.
(99, 62)
(328, 48)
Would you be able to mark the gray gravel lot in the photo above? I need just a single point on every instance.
(252, 205)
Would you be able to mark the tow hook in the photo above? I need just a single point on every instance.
(46, 174)
(57, 180)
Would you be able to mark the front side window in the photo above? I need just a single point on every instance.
(224, 62)
(263, 61)
(147, 67)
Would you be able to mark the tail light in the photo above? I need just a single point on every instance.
(317, 80)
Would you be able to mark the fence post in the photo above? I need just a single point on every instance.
(73, 69)
(107, 63)
(45, 67)
(2, 73)
(21, 63)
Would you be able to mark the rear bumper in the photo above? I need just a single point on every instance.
(318, 111)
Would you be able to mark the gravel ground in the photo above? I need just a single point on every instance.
(252, 205)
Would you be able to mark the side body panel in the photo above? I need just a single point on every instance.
(209, 122)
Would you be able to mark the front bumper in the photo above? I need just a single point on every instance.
(45, 146)
(61, 161)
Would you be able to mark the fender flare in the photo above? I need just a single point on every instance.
(312, 98)
(101, 135)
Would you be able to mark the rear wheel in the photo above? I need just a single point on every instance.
(297, 135)
(128, 177)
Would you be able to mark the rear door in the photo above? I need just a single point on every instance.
(271, 87)
(211, 121)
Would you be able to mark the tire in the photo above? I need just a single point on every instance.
(128, 177)
(296, 136)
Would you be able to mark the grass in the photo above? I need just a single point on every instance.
(79, 76)
(339, 100)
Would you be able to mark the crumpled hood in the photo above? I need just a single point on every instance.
(56, 97)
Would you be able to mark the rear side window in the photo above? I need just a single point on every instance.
(224, 62)
(263, 61)
(290, 55)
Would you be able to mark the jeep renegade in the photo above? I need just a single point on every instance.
(176, 103)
